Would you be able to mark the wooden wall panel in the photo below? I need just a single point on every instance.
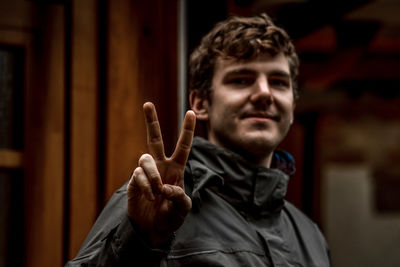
(125, 133)
(83, 122)
(45, 140)
(18, 15)
(142, 66)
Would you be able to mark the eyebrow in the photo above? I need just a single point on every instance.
(243, 71)
(246, 71)
(284, 74)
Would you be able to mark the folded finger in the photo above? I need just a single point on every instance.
(182, 203)
(142, 184)
(150, 170)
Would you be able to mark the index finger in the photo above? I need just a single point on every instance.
(154, 137)
(184, 144)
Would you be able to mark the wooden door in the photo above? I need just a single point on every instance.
(34, 166)
(80, 72)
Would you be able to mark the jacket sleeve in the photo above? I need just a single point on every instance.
(114, 240)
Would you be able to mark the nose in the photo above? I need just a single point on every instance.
(262, 92)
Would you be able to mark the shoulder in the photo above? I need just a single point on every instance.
(296, 214)
(305, 228)
(303, 224)
(310, 235)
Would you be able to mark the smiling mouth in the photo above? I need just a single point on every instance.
(260, 116)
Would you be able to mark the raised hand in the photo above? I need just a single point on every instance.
(157, 202)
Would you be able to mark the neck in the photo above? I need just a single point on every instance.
(263, 159)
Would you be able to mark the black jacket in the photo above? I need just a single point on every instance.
(239, 218)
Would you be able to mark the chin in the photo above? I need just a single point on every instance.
(261, 139)
(260, 145)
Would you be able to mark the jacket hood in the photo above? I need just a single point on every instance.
(253, 190)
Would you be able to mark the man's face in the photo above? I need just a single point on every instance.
(251, 106)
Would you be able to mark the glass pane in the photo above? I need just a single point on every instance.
(11, 97)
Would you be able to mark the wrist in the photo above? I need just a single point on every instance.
(153, 238)
(161, 239)
(162, 242)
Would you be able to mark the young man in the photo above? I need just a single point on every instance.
(220, 201)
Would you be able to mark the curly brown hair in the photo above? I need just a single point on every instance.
(242, 39)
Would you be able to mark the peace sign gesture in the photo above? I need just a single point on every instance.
(157, 202)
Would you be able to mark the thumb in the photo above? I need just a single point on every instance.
(181, 202)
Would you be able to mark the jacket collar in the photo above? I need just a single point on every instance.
(254, 190)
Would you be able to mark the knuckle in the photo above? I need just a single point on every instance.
(185, 147)
(138, 171)
(142, 181)
(179, 191)
(144, 158)
(154, 176)
(133, 180)
(155, 139)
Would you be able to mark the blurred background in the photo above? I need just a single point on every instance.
(74, 75)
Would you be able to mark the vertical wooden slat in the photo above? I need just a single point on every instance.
(142, 66)
(83, 122)
(45, 137)
(125, 132)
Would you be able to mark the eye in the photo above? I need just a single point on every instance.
(240, 81)
(279, 82)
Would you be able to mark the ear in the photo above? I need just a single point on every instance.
(199, 104)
